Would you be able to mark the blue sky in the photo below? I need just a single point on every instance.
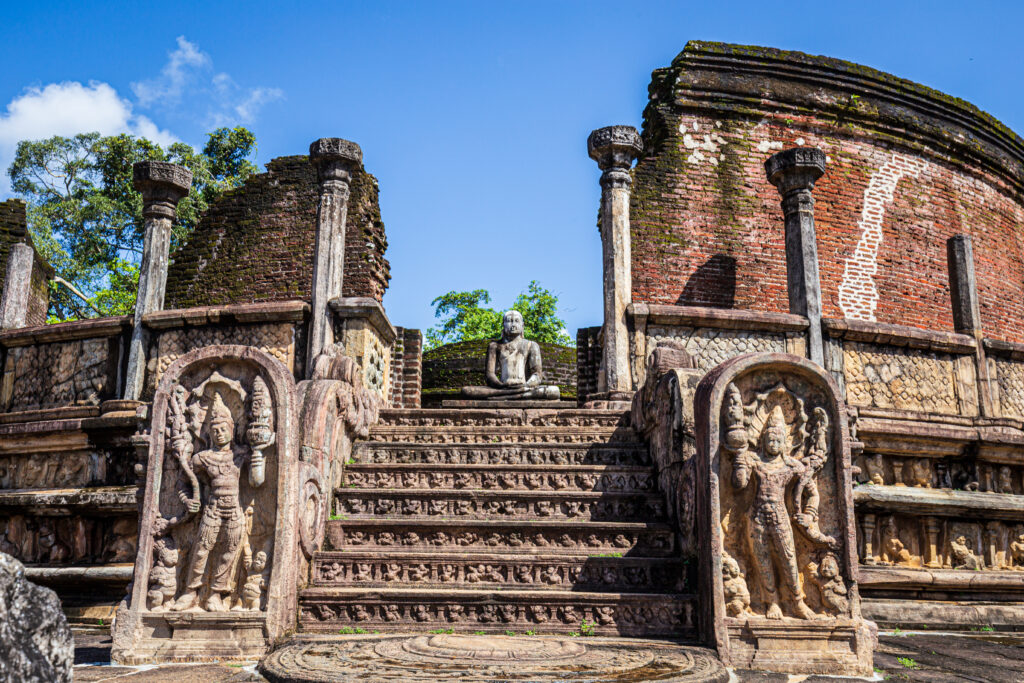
(473, 115)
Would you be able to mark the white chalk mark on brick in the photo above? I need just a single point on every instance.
(858, 294)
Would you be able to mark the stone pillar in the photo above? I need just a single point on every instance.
(17, 286)
(794, 172)
(963, 294)
(335, 160)
(162, 185)
(614, 148)
(932, 527)
(868, 556)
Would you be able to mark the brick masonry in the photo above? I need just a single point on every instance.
(406, 369)
(907, 168)
(14, 229)
(255, 243)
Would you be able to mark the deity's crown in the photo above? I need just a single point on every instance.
(219, 412)
(776, 419)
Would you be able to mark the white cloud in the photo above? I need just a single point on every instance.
(189, 83)
(67, 109)
(183, 66)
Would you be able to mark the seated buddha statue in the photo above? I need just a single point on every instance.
(514, 369)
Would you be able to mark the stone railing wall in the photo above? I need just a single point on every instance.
(406, 369)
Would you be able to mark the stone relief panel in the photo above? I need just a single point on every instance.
(709, 347)
(74, 373)
(52, 470)
(961, 473)
(895, 539)
(64, 540)
(277, 339)
(214, 526)
(1010, 377)
(902, 379)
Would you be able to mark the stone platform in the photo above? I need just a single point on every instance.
(508, 405)
(470, 659)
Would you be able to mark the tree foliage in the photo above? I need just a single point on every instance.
(464, 317)
(85, 216)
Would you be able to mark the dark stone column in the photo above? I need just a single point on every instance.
(614, 148)
(17, 286)
(794, 172)
(162, 185)
(335, 160)
(963, 294)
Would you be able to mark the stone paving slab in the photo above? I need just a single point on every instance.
(913, 657)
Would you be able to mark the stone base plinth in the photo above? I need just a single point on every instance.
(506, 404)
(834, 646)
(196, 637)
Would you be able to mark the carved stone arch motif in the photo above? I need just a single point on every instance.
(775, 518)
(217, 540)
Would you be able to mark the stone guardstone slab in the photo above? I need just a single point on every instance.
(775, 519)
(475, 659)
(216, 570)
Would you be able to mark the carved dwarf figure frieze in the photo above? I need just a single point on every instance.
(773, 445)
(217, 530)
(514, 370)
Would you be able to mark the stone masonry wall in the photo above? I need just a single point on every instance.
(255, 243)
(448, 368)
(406, 369)
(907, 168)
(14, 229)
(588, 361)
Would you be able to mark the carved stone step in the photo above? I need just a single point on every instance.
(624, 454)
(469, 611)
(649, 539)
(452, 568)
(448, 417)
(501, 477)
(525, 505)
(501, 434)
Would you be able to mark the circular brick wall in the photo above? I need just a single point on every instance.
(908, 167)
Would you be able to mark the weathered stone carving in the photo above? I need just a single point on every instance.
(35, 641)
(962, 556)
(778, 517)
(217, 538)
(514, 368)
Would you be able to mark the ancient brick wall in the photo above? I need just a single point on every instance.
(588, 361)
(448, 368)
(14, 229)
(256, 242)
(907, 168)
(406, 369)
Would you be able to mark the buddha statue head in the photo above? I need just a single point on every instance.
(511, 326)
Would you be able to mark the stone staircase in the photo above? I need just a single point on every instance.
(495, 521)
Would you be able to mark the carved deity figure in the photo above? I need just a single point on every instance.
(737, 595)
(769, 471)
(222, 527)
(1017, 553)
(874, 466)
(893, 550)
(514, 369)
(962, 556)
(1005, 479)
(830, 584)
(252, 591)
(163, 578)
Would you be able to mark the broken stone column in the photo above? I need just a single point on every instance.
(963, 293)
(17, 286)
(162, 185)
(794, 172)
(614, 148)
(335, 161)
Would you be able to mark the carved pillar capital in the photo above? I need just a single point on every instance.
(335, 160)
(614, 148)
(162, 185)
(793, 172)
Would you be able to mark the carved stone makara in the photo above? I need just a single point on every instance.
(776, 522)
(217, 557)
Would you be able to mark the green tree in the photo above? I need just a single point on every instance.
(464, 317)
(86, 217)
